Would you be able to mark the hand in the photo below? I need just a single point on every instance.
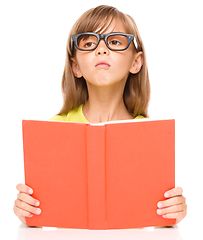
(175, 206)
(25, 205)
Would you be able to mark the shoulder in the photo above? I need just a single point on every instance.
(139, 117)
(75, 115)
(60, 118)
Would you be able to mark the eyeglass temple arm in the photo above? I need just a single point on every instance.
(135, 42)
(71, 44)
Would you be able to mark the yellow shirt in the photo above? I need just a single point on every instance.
(76, 115)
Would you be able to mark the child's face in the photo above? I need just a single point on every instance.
(103, 67)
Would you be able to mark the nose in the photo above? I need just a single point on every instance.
(102, 48)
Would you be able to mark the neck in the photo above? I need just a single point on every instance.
(105, 104)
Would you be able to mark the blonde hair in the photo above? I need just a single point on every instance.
(137, 89)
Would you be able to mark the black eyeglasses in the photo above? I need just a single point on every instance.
(114, 41)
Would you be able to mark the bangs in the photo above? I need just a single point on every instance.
(97, 20)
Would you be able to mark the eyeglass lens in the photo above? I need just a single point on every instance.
(115, 42)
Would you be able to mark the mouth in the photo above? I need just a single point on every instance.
(102, 65)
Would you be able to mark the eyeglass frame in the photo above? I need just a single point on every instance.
(130, 38)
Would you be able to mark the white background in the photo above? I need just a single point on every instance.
(33, 37)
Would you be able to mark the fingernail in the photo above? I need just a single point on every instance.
(38, 211)
(159, 212)
(164, 216)
(166, 195)
(37, 203)
(159, 204)
(30, 191)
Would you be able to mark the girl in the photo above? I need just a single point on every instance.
(105, 79)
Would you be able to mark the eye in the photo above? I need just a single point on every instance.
(115, 42)
(89, 45)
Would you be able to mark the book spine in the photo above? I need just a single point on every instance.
(96, 176)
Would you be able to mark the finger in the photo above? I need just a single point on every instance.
(25, 189)
(178, 215)
(171, 202)
(26, 207)
(173, 209)
(28, 199)
(22, 213)
(22, 219)
(178, 191)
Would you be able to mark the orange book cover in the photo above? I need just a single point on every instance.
(108, 176)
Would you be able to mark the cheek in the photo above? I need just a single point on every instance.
(124, 63)
(84, 60)
(124, 58)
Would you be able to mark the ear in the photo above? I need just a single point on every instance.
(75, 68)
(137, 63)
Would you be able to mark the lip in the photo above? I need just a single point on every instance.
(102, 64)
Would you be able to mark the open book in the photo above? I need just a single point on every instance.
(106, 176)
